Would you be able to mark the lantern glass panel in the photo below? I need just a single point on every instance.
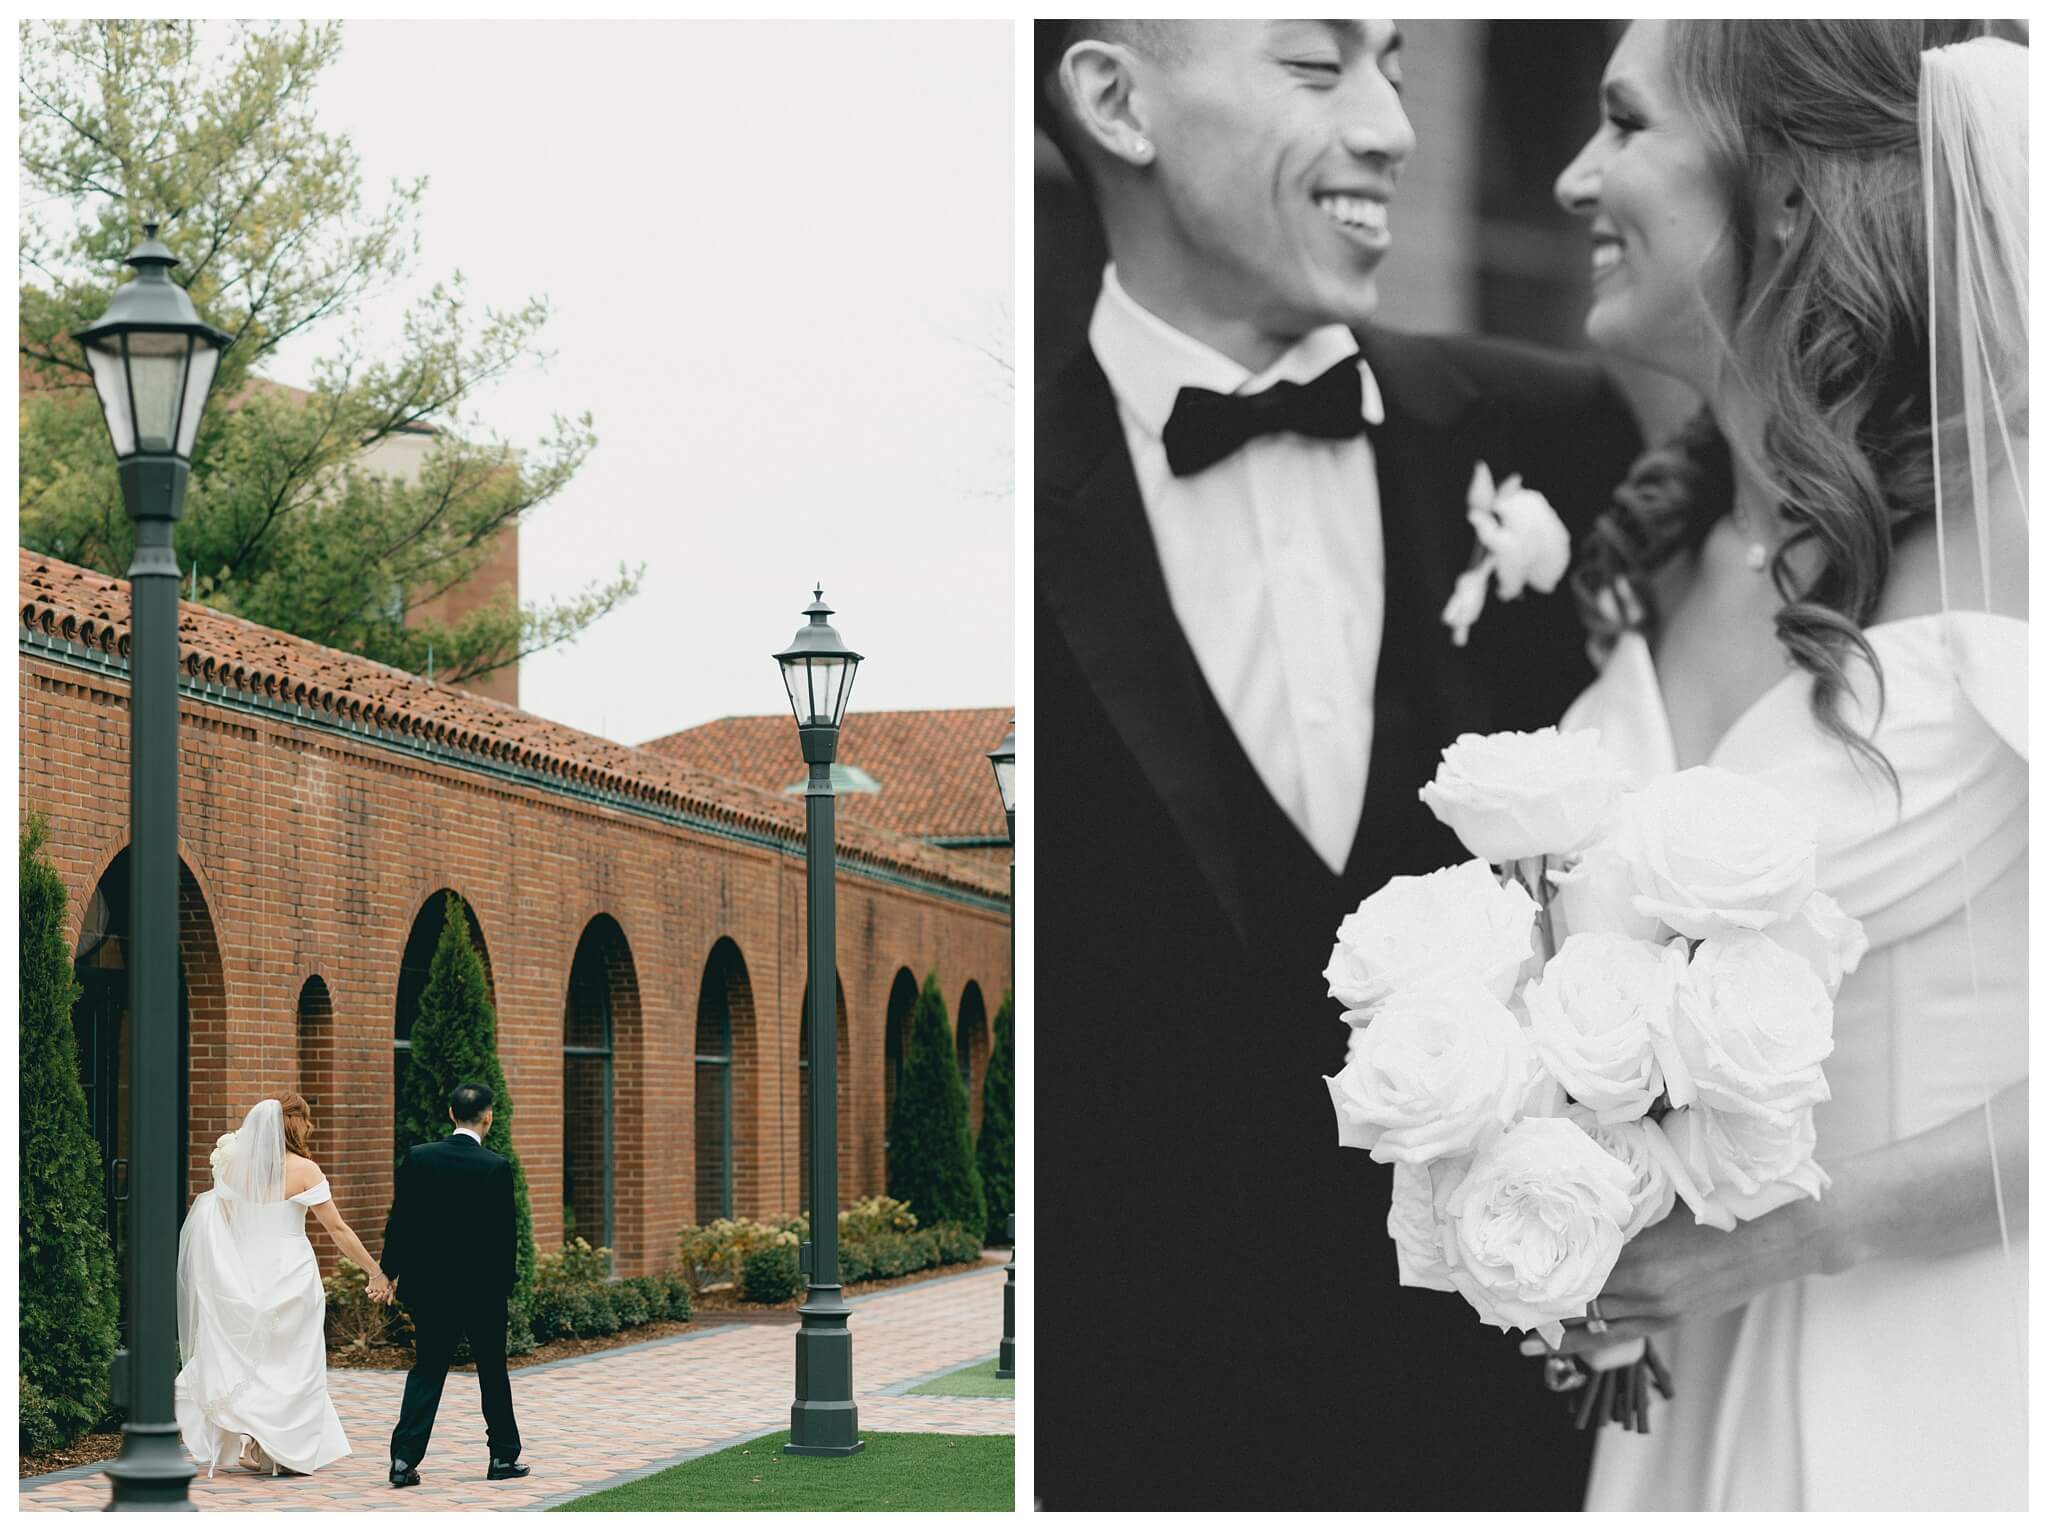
(156, 372)
(1006, 782)
(796, 680)
(205, 358)
(110, 377)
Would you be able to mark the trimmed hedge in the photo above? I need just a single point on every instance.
(995, 1155)
(455, 1040)
(70, 1298)
(931, 1151)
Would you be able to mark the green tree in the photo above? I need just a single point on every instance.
(931, 1151)
(70, 1300)
(996, 1152)
(126, 120)
(455, 1041)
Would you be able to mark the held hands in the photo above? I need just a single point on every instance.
(382, 1289)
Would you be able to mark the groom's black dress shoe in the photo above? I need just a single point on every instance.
(402, 1475)
(507, 1470)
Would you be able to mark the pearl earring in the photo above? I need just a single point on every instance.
(1142, 148)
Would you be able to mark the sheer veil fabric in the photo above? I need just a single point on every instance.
(1973, 145)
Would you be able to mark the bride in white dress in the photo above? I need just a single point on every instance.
(252, 1313)
(1809, 588)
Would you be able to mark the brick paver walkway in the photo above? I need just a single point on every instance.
(589, 1421)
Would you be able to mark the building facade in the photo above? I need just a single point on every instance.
(642, 923)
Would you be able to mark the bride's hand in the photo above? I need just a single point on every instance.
(1679, 1269)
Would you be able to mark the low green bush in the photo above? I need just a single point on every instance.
(957, 1245)
(519, 1337)
(719, 1251)
(40, 1429)
(875, 1214)
(630, 1304)
(770, 1274)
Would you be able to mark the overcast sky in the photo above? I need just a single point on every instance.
(772, 251)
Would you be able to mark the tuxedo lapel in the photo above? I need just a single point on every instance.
(1424, 460)
(1099, 573)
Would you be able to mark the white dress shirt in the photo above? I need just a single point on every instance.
(471, 1133)
(1273, 562)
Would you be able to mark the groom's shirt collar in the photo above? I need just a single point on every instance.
(1148, 361)
(471, 1133)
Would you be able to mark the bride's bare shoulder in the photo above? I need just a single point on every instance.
(300, 1174)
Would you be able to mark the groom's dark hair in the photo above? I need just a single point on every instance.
(1165, 40)
(470, 1101)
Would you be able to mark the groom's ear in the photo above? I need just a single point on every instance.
(1099, 80)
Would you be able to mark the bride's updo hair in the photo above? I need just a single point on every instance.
(298, 1122)
(1830, 337)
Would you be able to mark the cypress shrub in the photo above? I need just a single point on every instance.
(996, 1153)
(70, 1297)
(455, 1039)
(931, 1152)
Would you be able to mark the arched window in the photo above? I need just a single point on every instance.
(724, 1005)
(414, 969)
(970, 1041)
(902, 1000)
(316, 1044)
(102, 1026)
(587, 1091)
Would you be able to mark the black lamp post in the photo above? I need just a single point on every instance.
(1004, 758)
(818, 670)
(152, 360)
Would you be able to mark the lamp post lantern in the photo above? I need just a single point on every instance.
(817, 669)
(1004, 759)
(153, 361)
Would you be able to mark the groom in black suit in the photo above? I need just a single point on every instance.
(452, 1242)
(1250, 514)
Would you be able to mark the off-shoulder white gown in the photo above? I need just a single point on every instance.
(1899, 1384)
(259, 1363)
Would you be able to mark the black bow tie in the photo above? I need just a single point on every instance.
(1207, 427)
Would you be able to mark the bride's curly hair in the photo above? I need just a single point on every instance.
(298, 1122)
(1830, 338)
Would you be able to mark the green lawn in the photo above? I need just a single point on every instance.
(976, 1381)
(894, 1472)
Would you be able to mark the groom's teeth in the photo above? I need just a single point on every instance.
(1606, 255)
(1355, 212)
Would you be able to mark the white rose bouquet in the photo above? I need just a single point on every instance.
(1621, 1004)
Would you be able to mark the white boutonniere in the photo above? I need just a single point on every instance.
(1521, 543)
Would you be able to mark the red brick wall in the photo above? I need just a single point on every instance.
(310, 853)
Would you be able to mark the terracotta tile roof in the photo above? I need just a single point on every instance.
(62, 600)
(931, 767)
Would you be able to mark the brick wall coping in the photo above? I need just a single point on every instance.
(78, 617)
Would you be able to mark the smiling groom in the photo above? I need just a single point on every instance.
(1251, 512)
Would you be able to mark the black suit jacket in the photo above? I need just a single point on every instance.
(1220, 1320)
(452, 1235)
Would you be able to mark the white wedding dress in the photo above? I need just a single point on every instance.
(252, 1314)
(1899, 1384)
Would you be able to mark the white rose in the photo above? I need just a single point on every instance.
(1592, 1013)
(1748, 1164)
(1457, 922)
(1415, 1222)
(1826, 937)
(1713, 852)
(1511, 796)
(223, 1149)
(1751, 1025)
(1529, 544)
(1535, 1225)
(1652, 1192)
(1597, 893)
(1438, 1069)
